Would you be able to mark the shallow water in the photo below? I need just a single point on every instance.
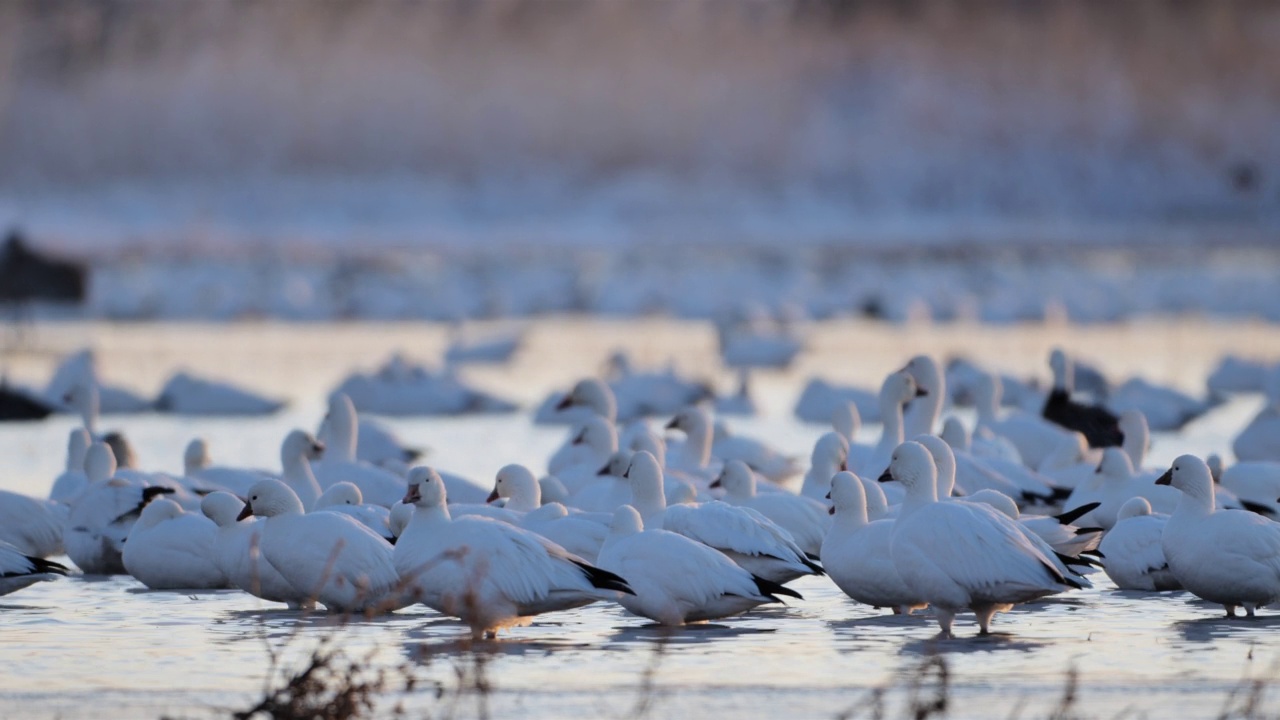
(93, 647)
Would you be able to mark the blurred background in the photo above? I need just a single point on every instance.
(295, 159)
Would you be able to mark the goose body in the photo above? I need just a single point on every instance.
(1134, 555)
(238, 552)
(170, 549)
(857, 554)
(19, 570)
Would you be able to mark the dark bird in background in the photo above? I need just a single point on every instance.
(1100, 426)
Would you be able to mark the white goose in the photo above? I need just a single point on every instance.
(846, 421)
(693, 456)
(677, 580)
(33, 525)
(202, 476)
(490, 574)
(1033, 436)
(170, 549)
(594, 440)
(922, 413)
(806, 519)
(238, 552)
(856, 552)
(296, 453)
(73, 481)
(750, 539)
(1230, 557)
(1257, 483)
(1113, 483)
(345, 498)
(610, 489)
(898, 389)
(18, 570)
(577, 534)
(1133, 550)
(958, 556)
(100, 518)
(328, 557)
(1025, 484)
(589, 398)
(379, 486)
(830, 456)
(773, 465)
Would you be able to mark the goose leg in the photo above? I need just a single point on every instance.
(945, 618)
(985, 614)
(1249, 608)
(1231, 610)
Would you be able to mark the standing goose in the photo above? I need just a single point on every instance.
(677, 580)
(830, 456)
(922, 413)
(490, 574)
(1034, 437)
(806, 519)
(73, 480)
(856, 553)
(1230, 557)
(327, 557)
(18, 570)
(898, 390)
(958, 556)
(296, 453)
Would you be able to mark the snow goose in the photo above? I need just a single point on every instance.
(169, 549)
(345, 498)
(756, 543)
(490, 574)
(185, 394)
(1112, 484)
(945, 465)
(578, 534)
(296, 453)
(18, 570)
(589, 397)
(677, 580)
(856, 552)
(1260, 439)
(1134, 557)
(922, 412)
(610, 490)
(1034, 437)
(958, 556)
(806, 519)
(773, 465)
(847, 422)
(830, 456)
(1099, 425)
(1071, 463)
(1163, 407)
(378, 485)
(328, 557)
(99, 519)
(898, 389)
(202, 476)
(593, 443)
(33, 525)
(992, 471)
(694, 454)
(72, 481)
(1067, 540)
(403, 388)
(238, 552)
(1230, 557)
(82, 367)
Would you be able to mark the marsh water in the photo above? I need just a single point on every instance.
(106, 647)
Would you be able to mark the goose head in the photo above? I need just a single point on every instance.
(924, 370)
(830, 452)
(945, 461)
(553, 490)
(271, 498)
(299, 445)
(1115, 464)
(955, 434)
(617, 465)
(691, 421)
(912, 465)
(196, 456)
(599, 435)
(847, 495)
(846, 420)
(157, 511)
(592, 394)
(342, 493)
(222, 508)
(626, 521)
(898, 390)
(1191, 475)
(426, 489)
(1133, 507)
(121, 448)
(99, 462)
(517, 484)
(737, 480)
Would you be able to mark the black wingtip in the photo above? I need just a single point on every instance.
(1086, 531)
(1059, 492)
(772, 589)
(1033, 497)
(48, 566)
(815, 567)
(604, 579)
(1258, 508)
(1094, 552)
(151, 493)
(1071, 516)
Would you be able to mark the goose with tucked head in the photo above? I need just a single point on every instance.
(169, 549)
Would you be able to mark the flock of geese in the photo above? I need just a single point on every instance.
(933, 515)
